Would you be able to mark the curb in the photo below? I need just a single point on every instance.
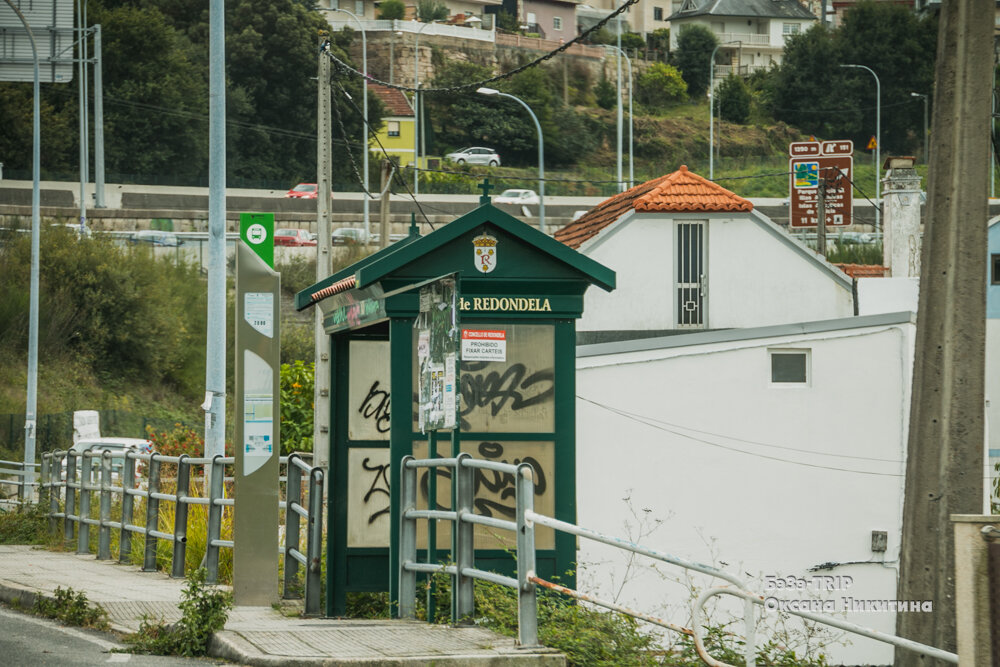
(24, 599)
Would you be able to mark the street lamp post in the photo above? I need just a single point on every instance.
(416, 107)
(618, 65)
(28, 478)
(541, 153)
(711, 109)
(925, 142)
(878, 144)
(364, 110)
(631, 144)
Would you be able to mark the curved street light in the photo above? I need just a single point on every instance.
(27, 492)
(878, 143)
(631, 160)
(711, 108)
(416, 107)
(541, 153)
(364, 121)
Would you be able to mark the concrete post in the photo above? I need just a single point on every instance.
(972, 586)
(322, 371)
(901, 223)
(944, 463)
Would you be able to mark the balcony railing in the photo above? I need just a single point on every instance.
(746, 38)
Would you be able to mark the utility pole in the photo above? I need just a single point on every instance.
(944, 462)
(322, 373)
(821, 215)
(383, 211)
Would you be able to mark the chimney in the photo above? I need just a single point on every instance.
(901, 197)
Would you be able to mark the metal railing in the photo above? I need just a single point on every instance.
(463, 571)
(16, 469)
(70, 479)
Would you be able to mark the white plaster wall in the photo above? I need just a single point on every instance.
(641, 254)
(709, 465)
(756, 279)
(887, 295)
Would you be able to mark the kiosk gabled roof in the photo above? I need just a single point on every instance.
(387, 261)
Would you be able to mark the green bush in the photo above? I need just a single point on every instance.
(204, 611)
(606, 94)
(659, 87)
(734, 100)
(297, 407)
(694, 46)
(72, 609)
(392, 9)
(25, 525)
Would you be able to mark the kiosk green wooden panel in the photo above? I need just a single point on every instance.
(520, 295)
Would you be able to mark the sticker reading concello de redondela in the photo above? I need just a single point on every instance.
(484, 345)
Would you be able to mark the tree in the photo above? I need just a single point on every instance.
(392, 10)
(506, 22)
(605, 92)
(694, 48)
(660, 86)
(431, 10)
(811, 91)
(734, 100)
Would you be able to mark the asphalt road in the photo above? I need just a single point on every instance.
(39, 642)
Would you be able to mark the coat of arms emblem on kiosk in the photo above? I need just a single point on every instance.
(486, 252)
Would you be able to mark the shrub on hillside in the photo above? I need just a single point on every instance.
(659, 87)
(392, 9)
(734, 100)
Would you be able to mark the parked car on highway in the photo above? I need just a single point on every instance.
(293, 237)
(304, 191)
(475, 155)
(115, 446)
(520, 197)
(348, 236)
(156, 238)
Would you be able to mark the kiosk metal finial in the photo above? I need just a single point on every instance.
(485, 187)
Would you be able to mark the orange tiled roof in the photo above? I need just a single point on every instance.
(863, 270)
(682, 190)
(394, 100)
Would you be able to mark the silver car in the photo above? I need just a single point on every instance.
(475, 155)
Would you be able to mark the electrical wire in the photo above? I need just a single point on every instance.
(647, 422)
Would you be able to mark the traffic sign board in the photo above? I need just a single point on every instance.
(812, 164)
(872, 143)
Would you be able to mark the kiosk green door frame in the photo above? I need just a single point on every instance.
(520, 295)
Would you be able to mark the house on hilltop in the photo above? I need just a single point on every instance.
(692, 255)
(396, 133)
(759, 29)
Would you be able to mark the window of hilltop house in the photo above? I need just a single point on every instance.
(657, 13)
(790, 28)
(556, 23)
(789, 367)
(995, 269)
(392, 128)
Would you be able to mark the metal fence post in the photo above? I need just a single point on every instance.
(86, 476)
(103, 529)
(180, 517)
(70, 495)
(407, 540)
(527, 604)
(465, 555)
(293, 496)
(314, 544)
(55, 481)
(152, 515)
(43, 478)
(214, 519)
(128, 502)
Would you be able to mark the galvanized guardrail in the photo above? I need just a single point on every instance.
(17, 470)
(69, 479)
(464, 572)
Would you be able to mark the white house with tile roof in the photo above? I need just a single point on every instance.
(756, 29)
(691, 255)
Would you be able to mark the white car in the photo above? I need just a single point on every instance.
(518, 197)
(475, 155)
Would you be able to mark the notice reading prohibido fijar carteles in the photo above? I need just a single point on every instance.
(484, 345)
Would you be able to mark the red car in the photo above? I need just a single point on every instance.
(304, 191)
(296, 237)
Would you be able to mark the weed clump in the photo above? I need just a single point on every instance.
(204, 611)
(72, 609)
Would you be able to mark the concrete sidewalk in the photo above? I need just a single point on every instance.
(258, 635)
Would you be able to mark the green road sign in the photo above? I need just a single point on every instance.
(257, 231)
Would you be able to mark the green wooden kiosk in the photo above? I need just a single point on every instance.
(520, 293)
